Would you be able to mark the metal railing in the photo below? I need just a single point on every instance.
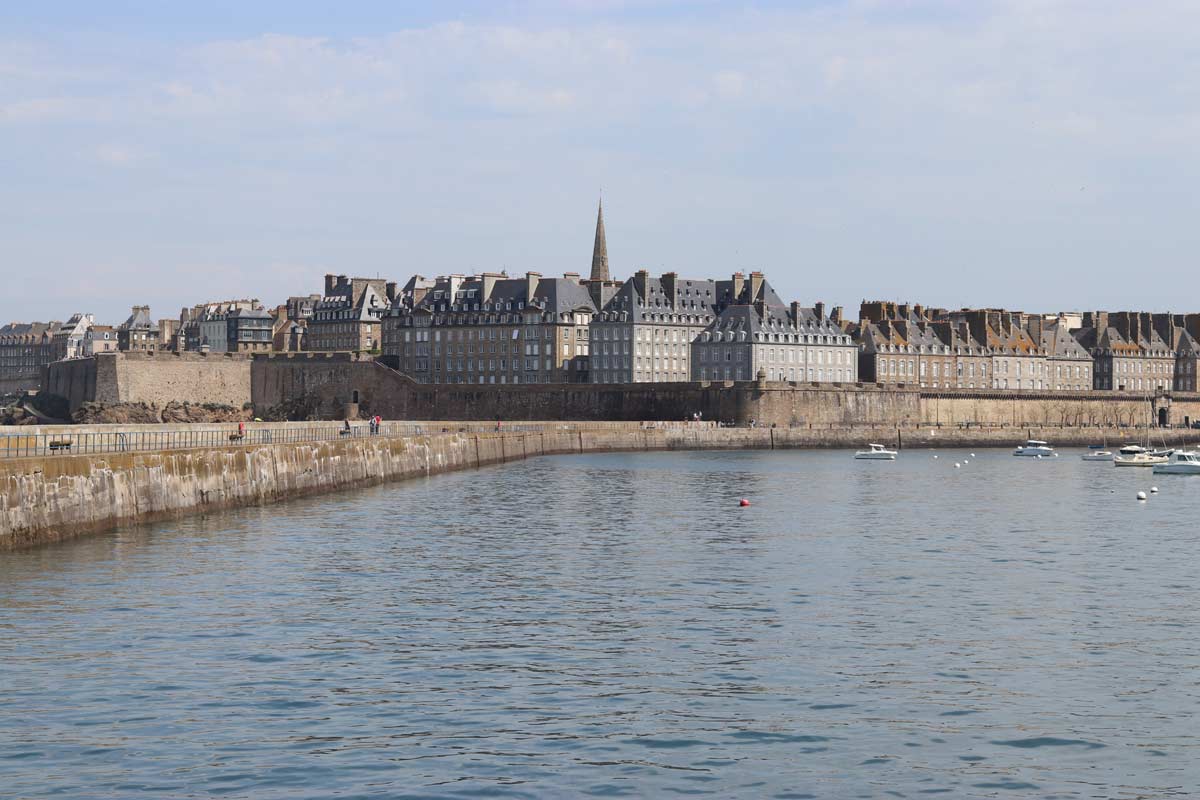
(148, 439)
(21, 445)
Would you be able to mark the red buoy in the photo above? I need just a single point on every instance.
(743, 502)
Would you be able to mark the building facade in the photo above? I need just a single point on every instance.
(25, 347)
(69, 337)
(350, 314)
(138, 333)
(776, 342)
(492, 329)
(100, 339)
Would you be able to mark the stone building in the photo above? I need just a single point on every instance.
(645, 331)
(249, 330)
(1187, 361)
(205, 327)
(68, 338)
(898, 343)
(349, 315)
(1128, 351)
(99, 339)
(138, 333)
(1068, 363)
(25, 347)
(492, 329)
(780, 343)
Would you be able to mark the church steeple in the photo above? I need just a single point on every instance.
(600, 249)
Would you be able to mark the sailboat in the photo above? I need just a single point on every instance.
(1134, 455)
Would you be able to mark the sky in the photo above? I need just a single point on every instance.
(1030, 155)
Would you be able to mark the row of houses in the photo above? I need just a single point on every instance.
(493, 329)
(1005, 350)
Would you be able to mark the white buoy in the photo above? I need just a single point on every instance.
(966, 461)
(957, 465)
(935, 455)
(972, 455)
(1153, 490)
(1141, 495)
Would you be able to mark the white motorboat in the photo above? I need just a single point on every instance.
(1097, 455)
(1035, 448)
(1134, 455)
(1181, 462)
(877, 452)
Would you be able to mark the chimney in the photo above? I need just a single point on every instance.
(668, 284)
(531, 282)
(1034, 326)
(640, 280)
(739, 283)
(488, 282)
(836, 316)
(819, 310)
(795, 312)
(329, 282)
(756, 284)
(391, 287)
(573, 277)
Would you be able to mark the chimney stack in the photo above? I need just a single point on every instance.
(739, 282)
(668, 284)
(531, 282)
(641, 280)
(756, 284)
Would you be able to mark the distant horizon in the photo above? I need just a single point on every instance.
(1032, 157)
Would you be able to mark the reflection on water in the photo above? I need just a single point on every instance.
(616, 625)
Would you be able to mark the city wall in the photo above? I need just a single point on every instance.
(155, 379)
(50, 498)
(328, 386)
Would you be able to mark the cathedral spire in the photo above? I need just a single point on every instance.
(600, 249)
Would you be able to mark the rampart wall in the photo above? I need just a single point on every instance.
(53, 497)
(155, 379)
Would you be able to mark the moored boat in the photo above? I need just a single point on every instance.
(1180, 462)
(1134, 455)
(877, 452)
(1035, 448)
(1097, 455)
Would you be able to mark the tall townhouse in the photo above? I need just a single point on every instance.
(898, 343)
(765, 338)
(25, 347)
(1068, 363)
(349, 316)
(644, 332)
(492, 329)
(138, 333)
(1128, 353)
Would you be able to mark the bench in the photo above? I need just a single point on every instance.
(236, 437)
(60, 446)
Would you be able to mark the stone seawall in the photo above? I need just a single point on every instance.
(48, 499)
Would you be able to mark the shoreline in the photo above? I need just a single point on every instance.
(50, 498)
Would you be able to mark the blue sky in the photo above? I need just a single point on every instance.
(1031, 155)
